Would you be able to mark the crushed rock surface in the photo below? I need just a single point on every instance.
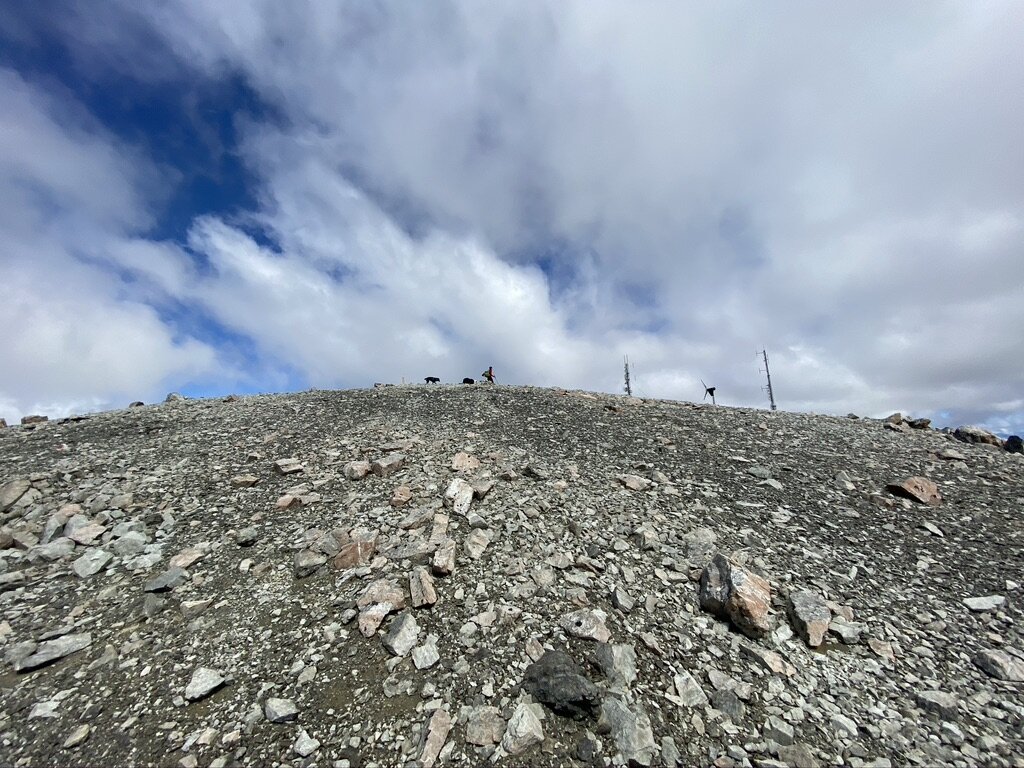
(362, 578)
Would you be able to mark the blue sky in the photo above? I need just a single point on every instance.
(216, 198)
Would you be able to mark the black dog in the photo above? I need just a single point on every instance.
(432, 380)
(468, 381)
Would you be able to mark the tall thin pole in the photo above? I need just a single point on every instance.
(625, 361)
(768, 373)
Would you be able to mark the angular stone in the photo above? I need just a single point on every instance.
(77, 736)
(421, 588)
(438, 728)
(91, 563)
(288, 466)
(477, 542)
(622, 600)
(280, 710)
(130, 544)
(190, 609)
(426, 655)
(459, 496)
(357, 470)
(635, 482)
(402, 635)
(187, 557)
(588, 624)
(969, 434)
(244, 481)
(809, 615)
(485, 726)
(848, 632)
(87, 534)
(618, 663)
(307, 562)
(388, 465)
(50, 650)
(372, 617)
(166, 581)
(464, 462)
(382, 591)
(730, 591)
(523, 730)
(34, 419)
(45, 709)
(1014, 444)
(417, 518)
(557, 682)
(11, 492)
(305, 745)
(699, 545)
(688, 691)
(919, 489)
(359, 551)
(401, 496)
(769, 660)
(444, 558)
(728, 701)
(939, 702)
(779, 731)
(798, 756)
(56, 550)
(670, 757)
(630, 728)
(844, 727)
(882, 649)
(247, 537)
(987, 603)
(1001, 665)
(204, 682)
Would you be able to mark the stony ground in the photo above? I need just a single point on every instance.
(474, 575)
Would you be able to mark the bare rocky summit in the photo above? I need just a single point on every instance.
(481, 575)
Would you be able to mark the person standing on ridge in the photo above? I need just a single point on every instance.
(489, 374)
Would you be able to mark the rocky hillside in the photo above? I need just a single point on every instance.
(475, 575)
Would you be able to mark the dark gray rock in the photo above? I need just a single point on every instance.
(558, 683)
(51, 650)
(166, 581)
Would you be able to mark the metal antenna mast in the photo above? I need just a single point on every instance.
(629, 389)
(771, 393)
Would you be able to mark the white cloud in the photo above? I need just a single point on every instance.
(841, 185)
(75, 337)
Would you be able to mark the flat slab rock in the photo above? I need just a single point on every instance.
(919, 489)
(50, 651)
(204, 682)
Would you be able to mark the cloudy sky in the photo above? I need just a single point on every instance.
(264, 196)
